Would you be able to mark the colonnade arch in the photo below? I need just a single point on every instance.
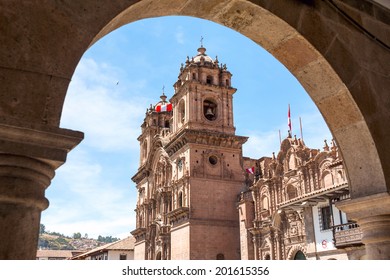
(316, 40)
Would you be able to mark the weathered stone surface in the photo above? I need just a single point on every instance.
(41, 44)
(372, 214)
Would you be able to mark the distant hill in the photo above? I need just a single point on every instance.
(58, 241)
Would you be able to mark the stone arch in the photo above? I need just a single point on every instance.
(269, 25)
(274, 31)
(313, 39)
(294, 250)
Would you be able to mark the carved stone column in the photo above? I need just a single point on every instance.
(372, 213)
(255, 240)
(28, 159)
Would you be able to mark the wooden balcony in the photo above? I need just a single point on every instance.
(346, 235)
(313, 198)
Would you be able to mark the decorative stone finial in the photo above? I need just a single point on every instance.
(163, 96)
(326, 147)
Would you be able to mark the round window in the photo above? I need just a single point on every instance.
(213, 160)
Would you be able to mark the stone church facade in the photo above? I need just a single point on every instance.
(288, 212)
(197, 201)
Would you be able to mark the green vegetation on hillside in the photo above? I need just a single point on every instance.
(58, 241)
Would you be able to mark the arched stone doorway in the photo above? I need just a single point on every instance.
(316, 40)
(299, 256)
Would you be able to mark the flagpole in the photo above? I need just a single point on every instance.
(289, 121)
(280, 138)
(300, 125)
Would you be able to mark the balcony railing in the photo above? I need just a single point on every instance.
(347, 235)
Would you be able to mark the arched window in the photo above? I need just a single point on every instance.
(265, 202)
(291, 163)
(267, 257)
(180, 204)
(340, 177)
(327, 180)
(209, 80)
(144, 149)
(182, 111)
(299, 255)
(291, 192)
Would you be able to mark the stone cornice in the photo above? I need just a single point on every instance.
(178, 216)
(208, 138)
(141, 174)
(46, 143)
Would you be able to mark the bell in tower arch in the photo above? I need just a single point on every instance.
(209, 110)
(209, 113)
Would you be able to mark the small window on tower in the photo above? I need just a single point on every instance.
(182, 111)
(144, 149)
(213, 160)
(180, 199)
(209, 80)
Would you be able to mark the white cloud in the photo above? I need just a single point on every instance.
(87, 199)
(108, 112)
(179, 35)
(92, 193)
(263, 143)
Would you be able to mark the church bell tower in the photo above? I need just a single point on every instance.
(192, 171)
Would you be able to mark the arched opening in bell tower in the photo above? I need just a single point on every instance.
(345, 123)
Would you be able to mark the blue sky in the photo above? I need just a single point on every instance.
(121, 75)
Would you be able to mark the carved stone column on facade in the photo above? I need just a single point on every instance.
(372, 213)
(28, 159)
(255, 240)
(277, 244)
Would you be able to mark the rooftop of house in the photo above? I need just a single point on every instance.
(57, 254)
(126, 244)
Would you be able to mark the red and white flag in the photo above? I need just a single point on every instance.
(164, 108)
(250, 170)
(289, 118)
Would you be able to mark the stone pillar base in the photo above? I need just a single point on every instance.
(372, 213)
